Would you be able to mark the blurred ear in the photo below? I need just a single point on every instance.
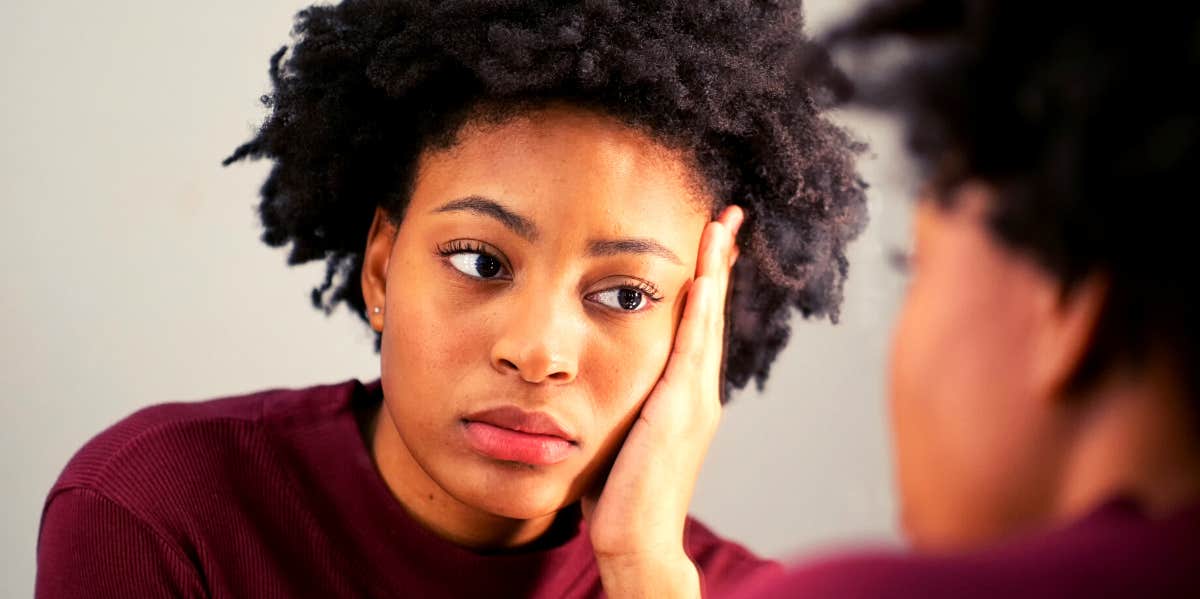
(1069, 321)
(375, 266)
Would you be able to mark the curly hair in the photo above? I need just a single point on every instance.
(1078, 114)
(370, 84)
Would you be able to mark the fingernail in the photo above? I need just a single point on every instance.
(737, 222)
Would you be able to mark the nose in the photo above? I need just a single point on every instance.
(540, 342)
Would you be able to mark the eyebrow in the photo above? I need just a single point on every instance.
(629, 245)
(525, 228)
(480, 205)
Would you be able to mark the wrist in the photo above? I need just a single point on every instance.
(651, 574)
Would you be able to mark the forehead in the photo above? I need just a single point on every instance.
(963, 269)
(563, 166)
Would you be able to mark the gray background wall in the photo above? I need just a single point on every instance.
(132, 275)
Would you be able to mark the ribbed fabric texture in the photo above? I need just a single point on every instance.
(275, 495)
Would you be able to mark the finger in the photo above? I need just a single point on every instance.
(725, 241)
(733, 217)
(715, 237)
(719, 255)
(587, 504)
(710, 248)
(717, 272)
(704, 308)
(736, 217)
(688, 351)
(699, 339)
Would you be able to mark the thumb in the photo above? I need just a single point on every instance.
(591, 497)
(587, 505)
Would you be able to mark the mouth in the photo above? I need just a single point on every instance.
(511, 434)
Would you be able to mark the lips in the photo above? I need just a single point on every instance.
(511, 434)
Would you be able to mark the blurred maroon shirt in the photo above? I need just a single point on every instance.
(1116, 551)
(275, 495)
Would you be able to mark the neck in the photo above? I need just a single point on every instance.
(433, 507)
(1134, 437)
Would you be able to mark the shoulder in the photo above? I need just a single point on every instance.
(1113, 553)
(91, 547)
(145, 495)
(186, 447)
(887, 574)
(877, 574)
(724, 564)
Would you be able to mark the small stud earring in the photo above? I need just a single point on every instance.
(376, 310)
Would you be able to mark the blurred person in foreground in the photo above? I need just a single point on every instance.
(1044, 373)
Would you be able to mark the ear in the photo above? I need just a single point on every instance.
(1069, 324)
(375, 267)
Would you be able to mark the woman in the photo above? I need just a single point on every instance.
(517, 197)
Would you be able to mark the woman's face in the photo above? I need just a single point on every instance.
(973, 432)
(530, 297)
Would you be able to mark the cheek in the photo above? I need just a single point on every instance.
(959, 351)
(420, 341)
(921, 361)
(431, 337)
(937, 350)
(913, 344)
(958, 355)
(932, 388)
(625, 363)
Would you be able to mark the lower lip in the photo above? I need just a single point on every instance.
(512, 446)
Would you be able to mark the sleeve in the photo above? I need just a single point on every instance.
(90, 546)
(725, 566)
(876, 575)
(726, 579)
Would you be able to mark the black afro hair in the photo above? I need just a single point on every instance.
(369, 84)
(1079, 116)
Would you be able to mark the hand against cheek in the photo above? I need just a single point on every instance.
(636, 523)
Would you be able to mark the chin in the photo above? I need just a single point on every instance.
(951, 530)
(921, 526)
(520, 495)
(519, 508)
(922, 538)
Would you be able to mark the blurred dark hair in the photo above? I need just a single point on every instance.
(1084, 117)
(370, 84)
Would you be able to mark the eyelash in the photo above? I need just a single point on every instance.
(645, 287)
(459, 246)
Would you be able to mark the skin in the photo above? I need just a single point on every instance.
(546, 336)
(991, 439)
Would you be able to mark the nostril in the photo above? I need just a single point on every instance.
(507, 365)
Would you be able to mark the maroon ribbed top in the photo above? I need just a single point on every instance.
(275, 495)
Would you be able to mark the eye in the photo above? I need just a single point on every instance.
(474, 259)
(901, 261)
(624, 299)
(479, 265)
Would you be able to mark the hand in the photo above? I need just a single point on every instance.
(636, 522)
